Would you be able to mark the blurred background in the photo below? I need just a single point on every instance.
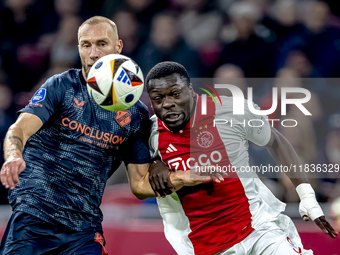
(256, 43)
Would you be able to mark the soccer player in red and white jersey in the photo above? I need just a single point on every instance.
(238, 215)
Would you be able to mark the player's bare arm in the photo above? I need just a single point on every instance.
(192, 178)
(141, 187)
(138, 177)
(164, 181)
(284, 154)
(25, 126)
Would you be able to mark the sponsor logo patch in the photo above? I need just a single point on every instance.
(78, 105)
(35, 104)
(123, 117)
(89, 133)
(39, 96)
(171, 148)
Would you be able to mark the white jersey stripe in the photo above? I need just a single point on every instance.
(176, 223)
(263, 204)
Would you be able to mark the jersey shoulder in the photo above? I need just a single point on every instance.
(227, 107)
(154, 123)
(72, 77)
(139, 111)
(66, 79)
(142, 108)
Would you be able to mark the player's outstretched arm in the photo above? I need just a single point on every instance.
(157, 180)
(192, 178)
(164, 181)
(17, 135)
(284, 154)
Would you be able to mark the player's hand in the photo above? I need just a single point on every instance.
(159, 178)
(217, 177)
(10, 171)
(324, 225)
(193, 178)
(309, 208)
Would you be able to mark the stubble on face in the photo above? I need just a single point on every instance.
(94, 35)
(85, 68)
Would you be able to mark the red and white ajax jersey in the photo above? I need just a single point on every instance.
(211, 217)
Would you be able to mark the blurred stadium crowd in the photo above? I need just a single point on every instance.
(298, 40)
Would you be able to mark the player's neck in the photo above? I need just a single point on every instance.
(83, 73)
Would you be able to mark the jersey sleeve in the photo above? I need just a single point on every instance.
(46, 100)
(153, 140)
(257, 128)
(137, 149)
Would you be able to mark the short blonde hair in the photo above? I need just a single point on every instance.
(99, 19)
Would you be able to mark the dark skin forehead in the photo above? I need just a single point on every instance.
(167, 82)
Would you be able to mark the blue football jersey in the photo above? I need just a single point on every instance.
(79, 146)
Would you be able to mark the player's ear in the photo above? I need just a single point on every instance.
(119, 46)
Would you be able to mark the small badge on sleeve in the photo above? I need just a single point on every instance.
(39, 95)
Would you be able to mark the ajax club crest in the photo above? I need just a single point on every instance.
(205, 139)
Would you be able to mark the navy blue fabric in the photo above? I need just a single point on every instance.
(28, 235)
(79, 146)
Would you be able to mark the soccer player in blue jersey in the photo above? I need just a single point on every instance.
(60, 153)
(62, 149)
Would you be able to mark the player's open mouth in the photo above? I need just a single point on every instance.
(172, 117)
